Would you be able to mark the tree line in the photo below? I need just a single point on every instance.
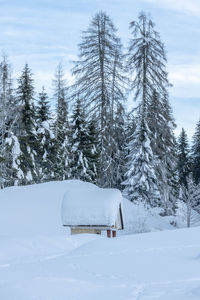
(90, 135)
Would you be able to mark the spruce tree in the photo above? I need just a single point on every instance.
(168, 160)
(99, 83)
(27, 127)
(61, 127)
(195, 155)
(9, 151)
(43, 107)
(92, 151)
(119, 148)
(162, 125)
(146, 62)
(46, 139)
(190, 194)
(141, 180)
(130, 126)
(14, 172)
(183, 158)
(80, 168)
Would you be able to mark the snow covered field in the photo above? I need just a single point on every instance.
(39, 259)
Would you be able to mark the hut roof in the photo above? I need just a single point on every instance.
(91, 207)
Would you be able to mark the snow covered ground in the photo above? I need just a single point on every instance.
(39, 259)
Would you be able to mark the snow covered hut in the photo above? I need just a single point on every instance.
(93, 210)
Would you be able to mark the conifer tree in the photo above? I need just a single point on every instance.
(4, 70)
(46, 140)
(141, 180)
(43, 107)
(146, 62)
(183, 158)
(163, 142)
(27, 127)
(92, 151)
(119, 148)
(9, 171)
(195, 155)
(190, 194)
(79, 162)
(130, 126)
(168, 160)
(61, 127)
(100, 83)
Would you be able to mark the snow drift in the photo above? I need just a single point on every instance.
(36, 210)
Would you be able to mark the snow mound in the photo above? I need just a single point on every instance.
(91, 206)
(35, 210)
(139, 219)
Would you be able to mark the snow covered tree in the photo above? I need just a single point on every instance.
(119, 148)
(27, 127)
(154, 124)
(8, 120)
(43, 107)
(183, 158)
(146, 57)
(46, 154)
(80, 168)
(195, 154)
(130, 126)
(100, 82)
(13, 151)
(141, 181)
(168, 160)
(3, 117)
(162, 125)
(190, 194)
(61, 127)
(92, 151)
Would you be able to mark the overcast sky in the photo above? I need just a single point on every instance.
(45, 32)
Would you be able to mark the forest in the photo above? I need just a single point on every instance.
(91, 134)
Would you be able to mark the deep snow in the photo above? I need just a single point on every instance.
(39, 259)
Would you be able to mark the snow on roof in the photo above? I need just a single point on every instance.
(91, 206)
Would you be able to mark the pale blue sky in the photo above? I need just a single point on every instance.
(44, 32)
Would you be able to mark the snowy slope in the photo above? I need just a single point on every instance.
(35, 209)
(160, 265)
(39, 260)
